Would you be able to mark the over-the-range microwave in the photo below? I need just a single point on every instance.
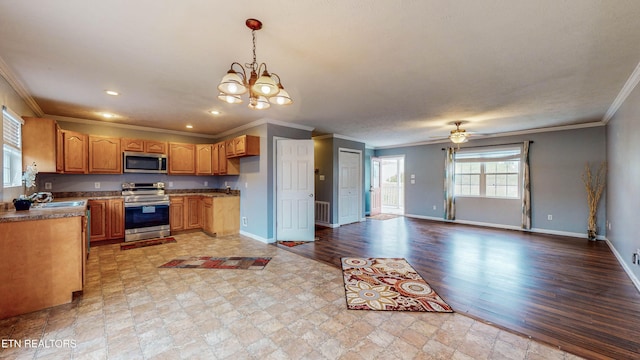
(137, 162)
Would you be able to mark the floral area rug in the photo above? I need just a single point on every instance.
(292, 243)
(143, 243)
(388, 284)
(208, 262)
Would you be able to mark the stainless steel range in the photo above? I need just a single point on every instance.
(146, 208)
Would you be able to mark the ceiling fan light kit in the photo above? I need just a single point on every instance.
(458, 136)
(263, 90)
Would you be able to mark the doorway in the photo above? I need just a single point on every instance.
(349, 186)
(392, 184)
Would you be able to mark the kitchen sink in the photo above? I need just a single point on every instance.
(59, 204)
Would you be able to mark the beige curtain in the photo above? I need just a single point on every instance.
(526, 188)
(449, 185)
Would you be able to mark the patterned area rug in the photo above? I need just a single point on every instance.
(208, 262)
(292, 243)
(388, 284)
(383, 217)
(143, 243)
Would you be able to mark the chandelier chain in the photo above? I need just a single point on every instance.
(254, 64)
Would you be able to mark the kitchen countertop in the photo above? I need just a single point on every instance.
(35, 213)
(9, 214)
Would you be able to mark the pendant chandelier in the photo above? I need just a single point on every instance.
(262, 90)
(458, 136)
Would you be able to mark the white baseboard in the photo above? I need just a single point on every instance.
(256, 237)
(507, 227)
(322, 223)
(624, 265)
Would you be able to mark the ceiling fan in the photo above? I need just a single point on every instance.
(458, 136)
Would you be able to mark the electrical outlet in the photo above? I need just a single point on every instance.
(47, 185)
(434, 207)
(96, 185)
(608, 225)
(244, 221)
(170, 183)
(549, 217)
(206, 183)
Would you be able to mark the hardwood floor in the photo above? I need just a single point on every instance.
(567, 292)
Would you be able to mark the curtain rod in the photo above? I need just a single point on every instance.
(482, 146)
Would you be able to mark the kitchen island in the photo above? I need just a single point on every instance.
(42, 257)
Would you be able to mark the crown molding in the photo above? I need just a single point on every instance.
(505, 134)
(338, 136)
(19, 87)
(628, 87)
(263, 122)
(126, 126)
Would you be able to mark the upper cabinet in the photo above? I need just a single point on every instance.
(105, 155)
(148, 146)
(182, 159)
(245, 145)
(75, 146)
(204, 161)
(42, 144)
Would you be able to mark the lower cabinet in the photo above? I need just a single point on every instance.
(107, 219)
(176, 213)
(221, 215)
(214, 215)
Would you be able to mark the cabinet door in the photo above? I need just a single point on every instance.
(230, 147)
(203, 159)
(194, 212)
(156, 147)
(75, 152)
(59, 150)
(182, 159)
(207, 215)
(115, 218)
(39, 144)
(176, 213)
(132, 144)
(222, 158)
(215, 159)
(105, 155)
(98, 210)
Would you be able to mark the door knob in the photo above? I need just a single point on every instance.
(310, 195)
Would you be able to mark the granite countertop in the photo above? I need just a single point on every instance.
(9, 214)
(39, 213)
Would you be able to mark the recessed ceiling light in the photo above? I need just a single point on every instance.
(107, 115)
(189, 126)
(112, 93)
(214, 112)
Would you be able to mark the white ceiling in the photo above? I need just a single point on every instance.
(383, 72)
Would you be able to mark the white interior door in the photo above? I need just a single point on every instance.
(349, 185)
(295, 190)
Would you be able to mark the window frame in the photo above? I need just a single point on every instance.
(483, 156)
(11, 148)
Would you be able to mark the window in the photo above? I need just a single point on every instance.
(11, 148)
(491, 172)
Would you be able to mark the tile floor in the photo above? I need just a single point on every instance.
(293, 309)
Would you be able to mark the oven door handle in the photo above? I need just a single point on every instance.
(150, 203)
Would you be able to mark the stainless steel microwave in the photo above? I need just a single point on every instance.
(137, 162)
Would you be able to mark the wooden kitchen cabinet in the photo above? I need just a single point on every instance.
(75, 148)
(147, 146)
(245, 145)
(221, 215)
(182, 159)
(115, 223)
(42, 143)
(105, 155)
(107, 219)
(224, 165)
(98, 219)
(176, 213)
(204, 163)
(193, 212)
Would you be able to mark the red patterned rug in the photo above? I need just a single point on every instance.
(292, 243)
(388, 284)
(208, 262)
(143, 243)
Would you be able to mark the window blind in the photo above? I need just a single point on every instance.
(11, 129)
(501, 153)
